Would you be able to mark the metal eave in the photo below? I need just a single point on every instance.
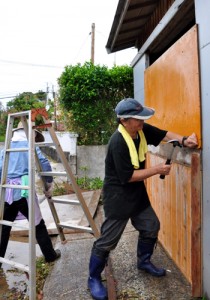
(118, 20)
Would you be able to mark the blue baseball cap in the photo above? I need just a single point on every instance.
(131, 108)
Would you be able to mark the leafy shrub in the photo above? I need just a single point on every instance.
(90, 93)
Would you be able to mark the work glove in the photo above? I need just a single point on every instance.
(48, 190)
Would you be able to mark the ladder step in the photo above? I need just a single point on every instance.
(77, 227)
(13, 224)
(14, 264)
(13, 186)
(17, 150)
(20, 114)
(52, 173)
(44, 144)
(65, 201)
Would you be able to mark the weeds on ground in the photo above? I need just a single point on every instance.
(84, 183)
(42, 271)
(89, 183)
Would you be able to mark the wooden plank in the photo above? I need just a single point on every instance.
(177, 202)
(196, 226)
(111, 284)
(66, 213)
(171, 199)
(92, 206)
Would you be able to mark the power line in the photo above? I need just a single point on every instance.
(102, 34)
(82, 46)
(1, 98)
(29, 64)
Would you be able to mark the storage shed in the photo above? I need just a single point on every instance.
(171, 74)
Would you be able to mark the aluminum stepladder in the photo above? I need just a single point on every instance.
(68, 172)
(29, 127)
(31, 268)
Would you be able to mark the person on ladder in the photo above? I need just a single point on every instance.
(16, 199)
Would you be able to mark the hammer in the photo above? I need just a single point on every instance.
(168, 161)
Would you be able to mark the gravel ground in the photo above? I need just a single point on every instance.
(139, 284)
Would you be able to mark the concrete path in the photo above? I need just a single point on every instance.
(68, 279)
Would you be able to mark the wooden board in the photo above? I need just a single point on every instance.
(177, 202)
(172, 87)
(66, 213)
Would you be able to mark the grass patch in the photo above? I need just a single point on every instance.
(84, 183)
(2, 138)
(89, 183)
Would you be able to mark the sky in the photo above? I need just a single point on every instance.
(40, 37)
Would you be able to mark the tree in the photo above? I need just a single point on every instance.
(3, 122)
(89, 94)
(26, 101)
(23, 102)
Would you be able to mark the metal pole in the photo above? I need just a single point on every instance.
(32, 247)
(93, 43)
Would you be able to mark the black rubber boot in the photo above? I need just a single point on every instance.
(96, 266)
(45, 243)
(144, 253)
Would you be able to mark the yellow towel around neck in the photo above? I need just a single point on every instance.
(135, 158)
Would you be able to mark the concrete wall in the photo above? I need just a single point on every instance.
(92, 158)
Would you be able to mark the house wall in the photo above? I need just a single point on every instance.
(202, 9)
(138, 73)
(172, 88)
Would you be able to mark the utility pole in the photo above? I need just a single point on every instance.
(92, 43)
(115, 59)
(47, 92)
(55, 108)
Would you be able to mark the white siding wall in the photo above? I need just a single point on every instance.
(138, 73)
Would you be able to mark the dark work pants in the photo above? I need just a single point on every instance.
(146, 223)
(42, 237)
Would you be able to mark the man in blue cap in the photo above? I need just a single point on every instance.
(124, 193)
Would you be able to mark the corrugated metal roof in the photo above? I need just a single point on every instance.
(135, 20)
(129, 20)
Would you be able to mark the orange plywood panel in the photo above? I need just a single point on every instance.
(172, 87)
